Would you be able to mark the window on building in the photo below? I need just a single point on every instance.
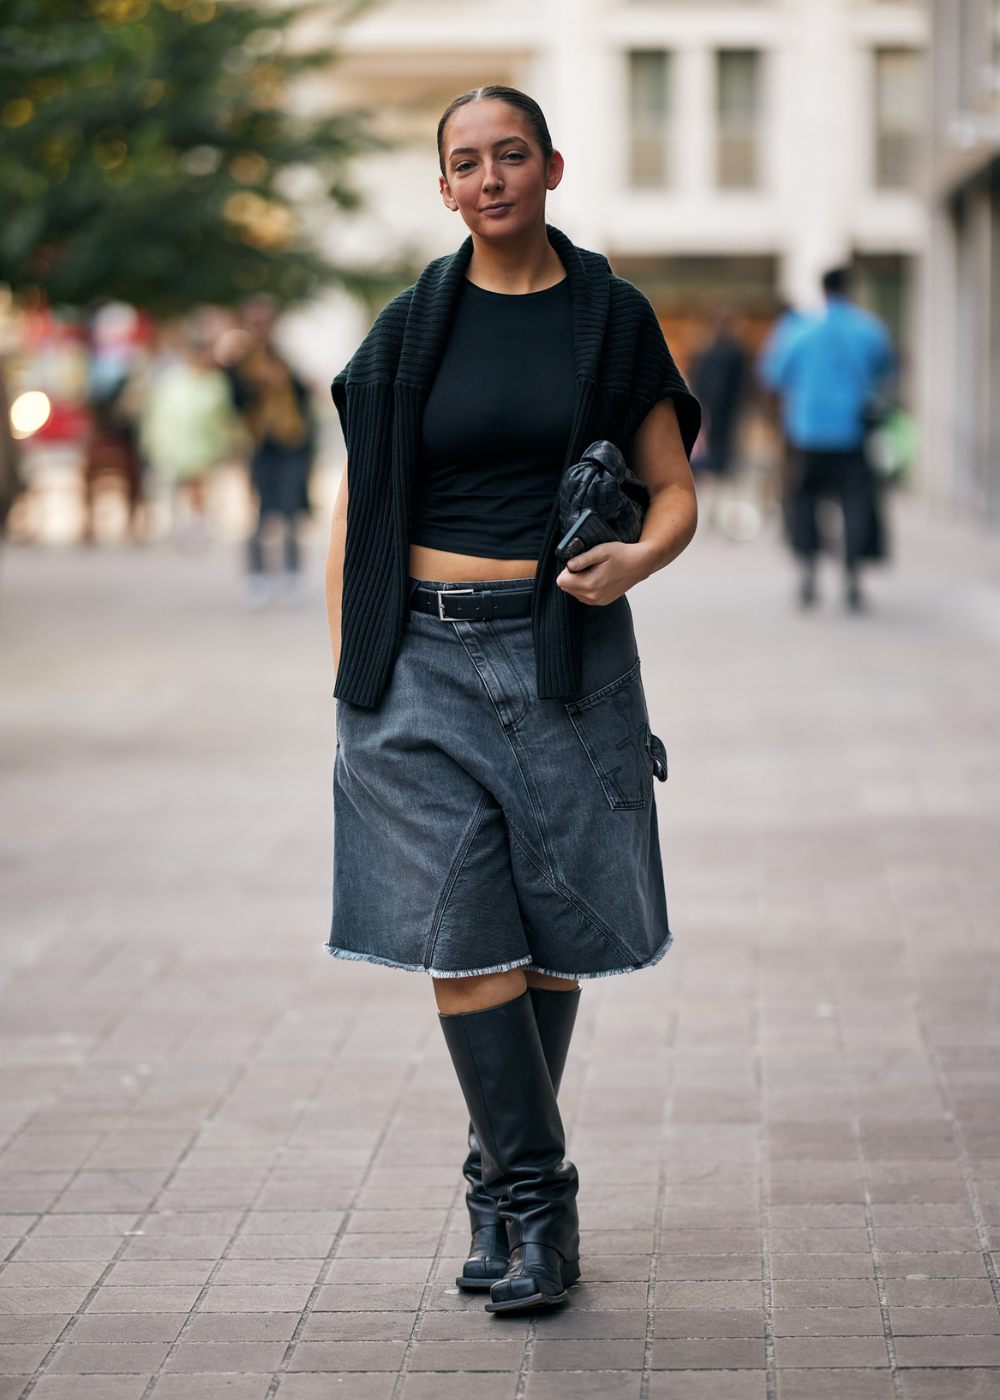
(738, 105)
(649, 117)
(898, 116)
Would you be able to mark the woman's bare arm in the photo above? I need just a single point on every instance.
(607, 571)
(335, 568)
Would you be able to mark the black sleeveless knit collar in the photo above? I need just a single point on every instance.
(623, 368)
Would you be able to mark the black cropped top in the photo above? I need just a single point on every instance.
(496, 425)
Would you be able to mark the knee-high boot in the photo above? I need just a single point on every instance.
(489, 1254)
(501, 1068)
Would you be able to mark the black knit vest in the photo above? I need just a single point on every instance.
(623, 368)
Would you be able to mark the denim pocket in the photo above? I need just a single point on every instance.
(614, 728)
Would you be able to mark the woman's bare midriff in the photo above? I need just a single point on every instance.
(444, 567)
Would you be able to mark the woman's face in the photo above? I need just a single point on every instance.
(495, 174)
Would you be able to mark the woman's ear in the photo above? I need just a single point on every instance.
(450, 202)
(554, 170)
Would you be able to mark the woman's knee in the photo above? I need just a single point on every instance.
(456, 996)
(544, 982)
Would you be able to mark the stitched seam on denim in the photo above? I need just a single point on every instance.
(575, 706)
(568, 895)
(501, 645)
(460, 631)
(453, 874)
(509, 732)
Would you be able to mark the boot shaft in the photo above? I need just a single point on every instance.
(501, 1068)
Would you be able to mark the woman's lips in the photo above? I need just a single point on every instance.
(497, 208)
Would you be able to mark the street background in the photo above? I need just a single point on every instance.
(229, 1164)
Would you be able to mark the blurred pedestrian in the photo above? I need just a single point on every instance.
(828, 371)
(487, 832)
(719, 379)
(275, 406)
(188, 428)
(112, 454)
(10, 476)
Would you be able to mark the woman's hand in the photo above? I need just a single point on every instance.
(607, 571)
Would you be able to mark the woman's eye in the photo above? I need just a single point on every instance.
(514, 155)
(462, 166)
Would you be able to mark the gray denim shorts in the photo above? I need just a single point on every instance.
(478, 828)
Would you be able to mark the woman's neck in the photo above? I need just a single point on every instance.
(529, 264)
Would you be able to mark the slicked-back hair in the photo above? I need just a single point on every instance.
(496, 92)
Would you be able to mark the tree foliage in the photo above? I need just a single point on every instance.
(148, 152)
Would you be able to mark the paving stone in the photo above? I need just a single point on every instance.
(143, 1300)
(708, 1322)
(344, 1297)
(352, 1386)
(89, 1358)
(573, 1323)
(241, 1327)
(128, 1327)
(21, 1358)
(77, 1387)
(479, 1355)
(945, 1322)
(483, 1326)
(716, 1353)
(208, 1387)
(347, 1356)
(836, 1384)
(362, 1326)
(588, 1354)
(825, 1293)
(970, 1384)
(172, 1247)
(708, 1385)
(948, 1351)
(828, 1352)
(823, 1266)
(457, 1386)
(576, 1385)
(40, 1300)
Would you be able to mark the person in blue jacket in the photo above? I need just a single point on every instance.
(828, 371)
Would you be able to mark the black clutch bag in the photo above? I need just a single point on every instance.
(600, 500)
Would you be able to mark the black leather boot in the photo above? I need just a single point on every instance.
(501, 1067)
(489, 1253)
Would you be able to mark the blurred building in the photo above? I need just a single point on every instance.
(962, 317)
(722, 153)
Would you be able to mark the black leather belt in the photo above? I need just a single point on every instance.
(472, 604)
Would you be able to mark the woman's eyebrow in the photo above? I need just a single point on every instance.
(474, 150)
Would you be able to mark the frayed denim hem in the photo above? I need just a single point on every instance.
(660, 953)
(350, 956)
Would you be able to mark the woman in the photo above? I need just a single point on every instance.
(493, 787)
(275, 406)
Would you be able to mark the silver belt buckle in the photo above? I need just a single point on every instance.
(443, 593)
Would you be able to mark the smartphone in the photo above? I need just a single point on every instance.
(589, 529)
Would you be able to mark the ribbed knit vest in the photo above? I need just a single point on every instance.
(623, 367)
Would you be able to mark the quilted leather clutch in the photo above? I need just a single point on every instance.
(599, 500)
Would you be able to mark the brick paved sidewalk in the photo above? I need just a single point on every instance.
(231, 1165)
